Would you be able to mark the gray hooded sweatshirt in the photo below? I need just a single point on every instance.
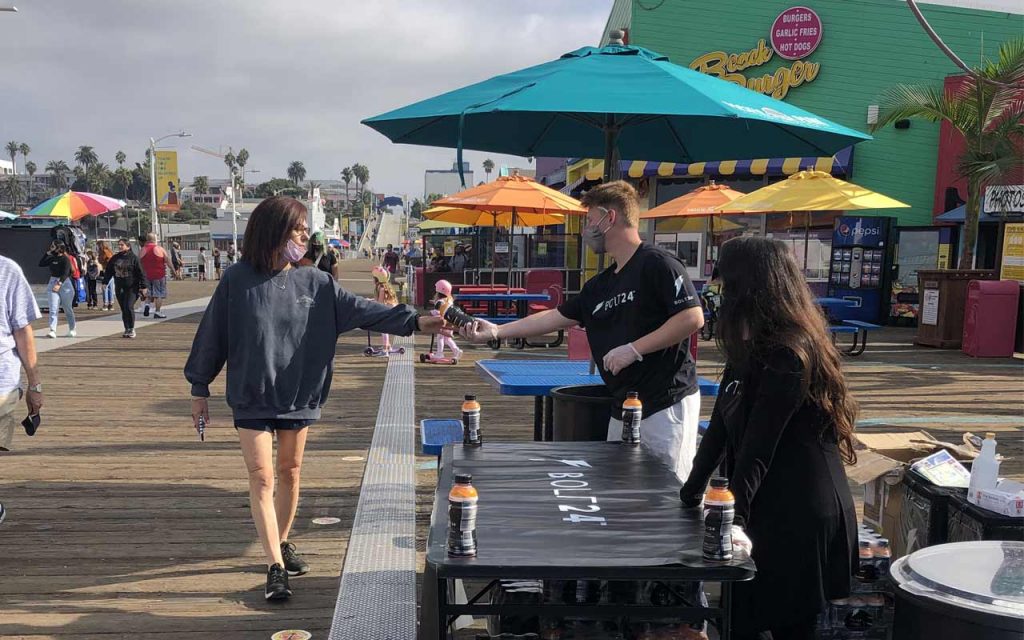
(277, 333)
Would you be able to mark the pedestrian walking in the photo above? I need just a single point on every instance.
(784, 428)
(216, 262)
(92, 276)
(125, 270)
(17, 350)
(155, 262)
(276, 327)
(59, 287)
(231, 254)
(104, 254)
(202, 264)
(176, 260)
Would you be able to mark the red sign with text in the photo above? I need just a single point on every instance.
(796, 33)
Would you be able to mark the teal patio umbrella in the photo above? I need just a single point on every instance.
(593, 102)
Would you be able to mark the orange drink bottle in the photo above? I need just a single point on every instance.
(632, 414)
(471, 436)
(462, 501)
(719, 511)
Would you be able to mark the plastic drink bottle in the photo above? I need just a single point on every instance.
(984, 469)
(719, 511)
(883, 557)
(452, 314)
(471, 436)
(462, 503)
(632, 414)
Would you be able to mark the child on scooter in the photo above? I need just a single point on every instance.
(443, 289)
(384, 294)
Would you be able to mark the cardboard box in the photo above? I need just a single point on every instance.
(1006, 499)
(882, 459)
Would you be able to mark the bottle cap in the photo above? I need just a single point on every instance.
(633, 394)
(720, 483)
(864, 544)
(470, 396)
(883, 542)
(463, 478)
(990, 436)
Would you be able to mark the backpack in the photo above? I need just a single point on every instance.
(76, 273)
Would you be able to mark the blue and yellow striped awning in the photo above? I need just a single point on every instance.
(838, 165)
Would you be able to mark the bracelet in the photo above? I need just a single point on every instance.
(639, 357)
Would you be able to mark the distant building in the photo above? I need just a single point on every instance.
(6, 168)
(446, 181)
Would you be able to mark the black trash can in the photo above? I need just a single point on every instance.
(581, 413)
(924, 514)
(967, 522)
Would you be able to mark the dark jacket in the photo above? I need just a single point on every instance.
(59, 266)
(126, 271)
(784, 467)
(277, 333)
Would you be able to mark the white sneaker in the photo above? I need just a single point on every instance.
(72, 334)
(157, 314)
(131, 333)
(51, 334)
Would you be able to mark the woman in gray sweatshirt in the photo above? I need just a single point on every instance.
(276, 326)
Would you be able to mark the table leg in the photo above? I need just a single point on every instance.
(549, 419)
(442, 608)
(726, 606)
(538, 418)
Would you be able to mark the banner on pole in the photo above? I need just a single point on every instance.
(167, 182)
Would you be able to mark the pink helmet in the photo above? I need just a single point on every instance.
(443, 287)
(380, 274)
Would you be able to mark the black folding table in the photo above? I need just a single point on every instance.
(569, 511)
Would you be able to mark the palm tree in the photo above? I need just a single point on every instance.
(119, 158)
(124, 178)
(296, 172)
(200, 184)
(30, 169)
(58, 170)
(362, 174)
(986, 111)
(24, 150)
(13, 190)
(12, 150)
(86, 157)
(346, 177)
(488, 168)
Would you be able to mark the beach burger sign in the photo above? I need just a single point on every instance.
(794, 35)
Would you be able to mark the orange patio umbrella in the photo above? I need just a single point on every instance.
(702, 201)
(517, 196)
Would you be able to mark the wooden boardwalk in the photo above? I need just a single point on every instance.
(122, 524)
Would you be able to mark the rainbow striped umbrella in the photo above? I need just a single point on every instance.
(75, 205)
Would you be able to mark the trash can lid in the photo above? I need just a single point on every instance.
(986, 576)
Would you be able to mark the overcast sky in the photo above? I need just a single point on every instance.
(287, 79)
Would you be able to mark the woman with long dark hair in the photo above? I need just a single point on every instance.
(276, 328)
(783, 424)
(59, 288)
(125, 271)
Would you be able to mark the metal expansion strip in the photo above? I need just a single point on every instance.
(377, 594)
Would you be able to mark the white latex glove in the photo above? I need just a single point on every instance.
(621, 357)
(740, 542)
(479, 331)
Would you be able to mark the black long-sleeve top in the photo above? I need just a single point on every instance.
(59, 265)
(126, 271)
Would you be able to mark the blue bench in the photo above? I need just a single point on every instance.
(859, 330)
(435, 433)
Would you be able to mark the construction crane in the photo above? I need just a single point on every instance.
(234, 211)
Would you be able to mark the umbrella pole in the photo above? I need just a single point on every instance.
(511, 250)
(807, 237)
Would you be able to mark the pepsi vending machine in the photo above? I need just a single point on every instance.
(861, 260)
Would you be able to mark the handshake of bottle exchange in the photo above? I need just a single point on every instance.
(452, 314)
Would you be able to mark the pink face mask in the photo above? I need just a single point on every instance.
(293, 251)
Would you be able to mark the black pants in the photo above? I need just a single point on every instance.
(126, 298)
(90, 292)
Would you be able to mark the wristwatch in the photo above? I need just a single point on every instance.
(38, 388)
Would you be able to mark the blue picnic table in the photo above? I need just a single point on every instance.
(514, 377)
(522, 303)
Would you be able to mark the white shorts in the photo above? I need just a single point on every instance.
(670, 435)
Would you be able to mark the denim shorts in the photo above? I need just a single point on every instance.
(271, 425)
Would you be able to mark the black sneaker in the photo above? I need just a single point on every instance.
(145, 311)
(295, 565)
(277, 583)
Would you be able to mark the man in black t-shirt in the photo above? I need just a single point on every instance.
(639, 315)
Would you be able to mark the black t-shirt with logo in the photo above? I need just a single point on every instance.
(619, 308)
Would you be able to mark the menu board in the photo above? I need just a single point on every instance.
(1013, 253)
(930, 307)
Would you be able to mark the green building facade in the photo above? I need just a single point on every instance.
(863, 48)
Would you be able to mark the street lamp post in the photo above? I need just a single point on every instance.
(152, 176)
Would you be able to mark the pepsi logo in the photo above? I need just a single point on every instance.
(844, 229)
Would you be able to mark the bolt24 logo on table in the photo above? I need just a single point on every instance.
(571, 485)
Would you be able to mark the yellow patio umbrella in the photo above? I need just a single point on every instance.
(526, 202)
(693, 224)
(810, 191)
(426, 225)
